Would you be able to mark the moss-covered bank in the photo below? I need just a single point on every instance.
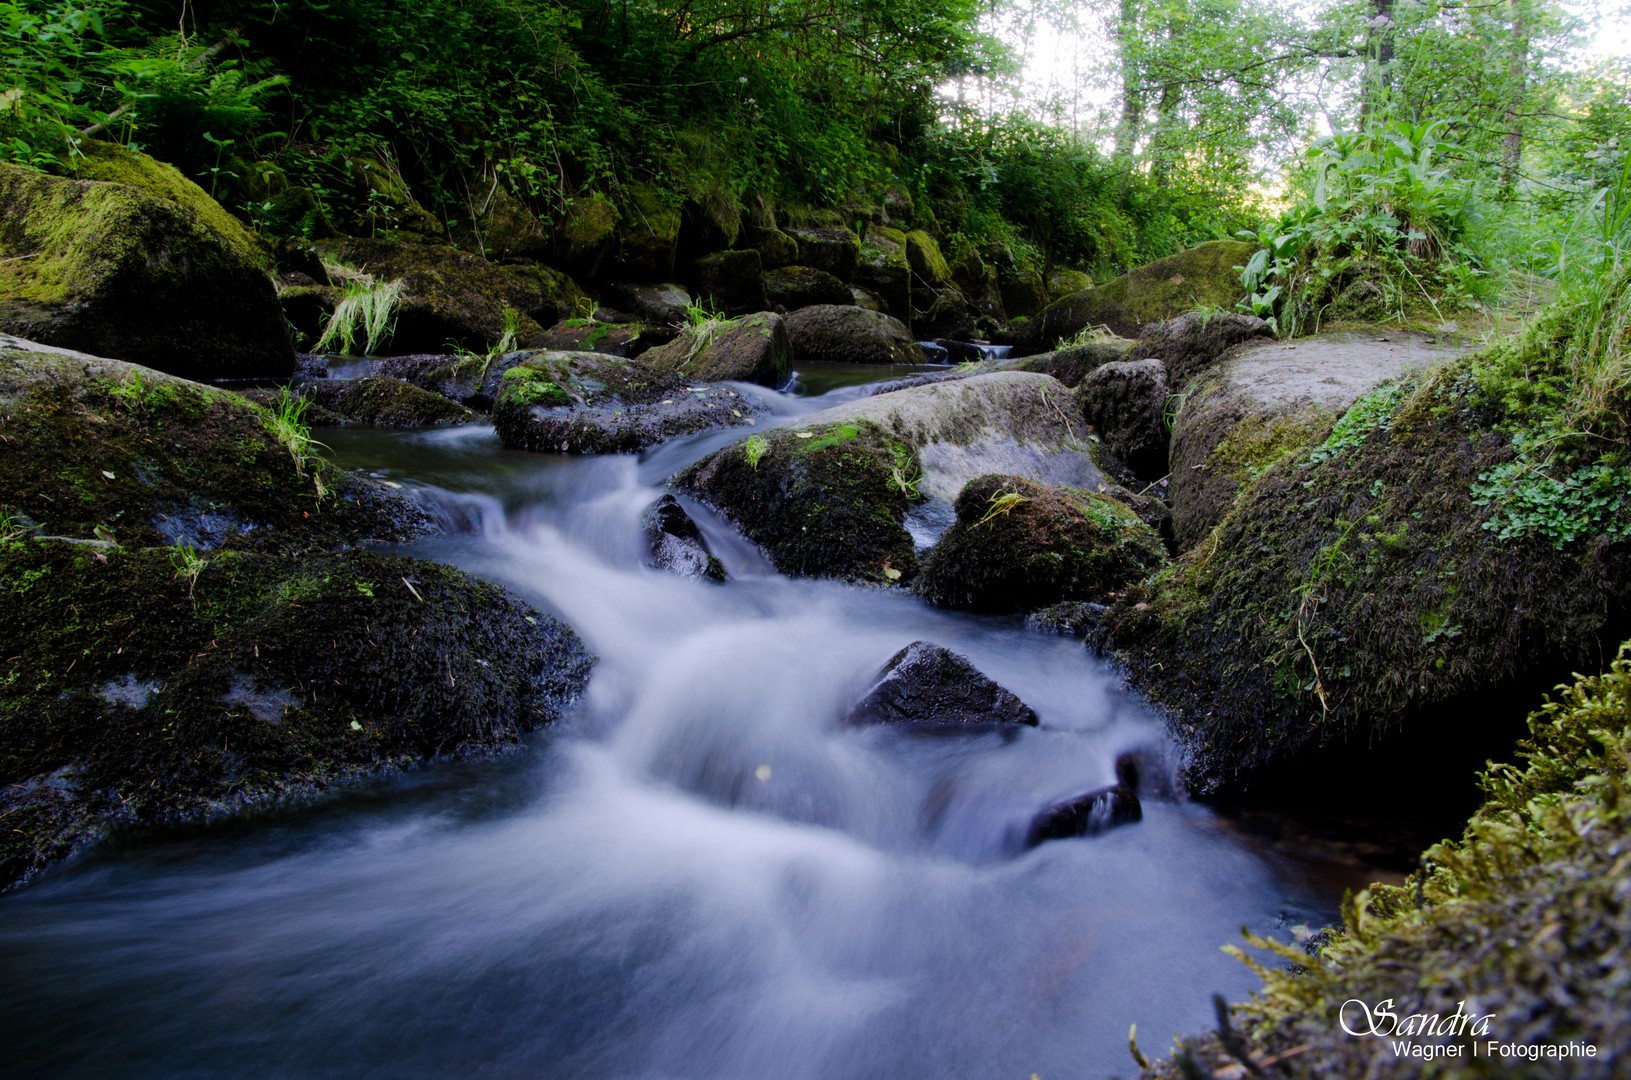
(1523, 920)
(88, 444)
(145, 686)
(828, 500)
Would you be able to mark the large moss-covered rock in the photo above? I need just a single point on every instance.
(592, 335)
(1018, 545)
(1203, 276)
(1522, 917)
(95, 447)
(731, 281)
(1065, 281)
(586, 233)
(753, 348)
(112, 269)
(883, 270)
(663, 305)
(775, 247)
(1265, 400)
(822, 500)
(923, 255)
(794, 287)
(649, 236)
(453, 299)
(1409, 576)
(850, 335)
(501, 226)
(144, 688)
(1192, 342)
(589, 403)
(830, 249)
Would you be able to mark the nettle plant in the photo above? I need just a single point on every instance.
(1385, 228)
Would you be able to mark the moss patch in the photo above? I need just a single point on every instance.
(385, 402)
(1019, 545)
(136, 691)
(829, 500)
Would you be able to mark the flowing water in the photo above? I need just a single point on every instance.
(699, 875)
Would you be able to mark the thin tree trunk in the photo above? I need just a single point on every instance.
(1132, 94)
(1517, 73)
(1379, 67)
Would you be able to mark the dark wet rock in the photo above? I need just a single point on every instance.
(1266, 400)
(1202, 277)
(794, 287)
(185, 692)
(753, 348)
(95, 444)
(831, 249)
(298, 257)
(960, 352)
(775, 247)
(1019, 545)
(1072, 364)
(884, 270)
(385, 402)
(677, 545)
(1092, 813)
(925, 685)
(310, 366)
(1071, 618)
(1190, 343)
(308, 307)
(1126, 402)
(944, 313)
(590, 403)
(731, 281)
(627, 339)
(155, 275)
(455, 300)
(659, 305)
(822, 500)
(933, 352)
(849, 334)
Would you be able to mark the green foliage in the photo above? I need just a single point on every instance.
(367, 310)
(1589, 500)
(905, 473)
(753, 449)
(1373, 412)
(287, 424)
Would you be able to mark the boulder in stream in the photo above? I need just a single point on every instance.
(676, 544)
(925, 685)
(753, 348)
(1092, 813)
(382, 401)
(844, 333)
(1126, 402)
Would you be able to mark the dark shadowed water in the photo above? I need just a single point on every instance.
(700, 875)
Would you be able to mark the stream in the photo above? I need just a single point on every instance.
(698, 875)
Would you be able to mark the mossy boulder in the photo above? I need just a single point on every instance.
(111, 269)
(753, 348)
(1126, 402)
(775, 247)
(976, 279)
(1265, 400)
(143, 689)
(586, 233)
(731, 281)
(925, 259)
(1064, 281)
(453, 299)
(384, 402)
(648, 238)
(822, 500)
(792, 287)
(1394, 586)
(832, 250)
(589, 403)
(1024, 293)
(1192, 342)
(1520, 921)
(882, 268)
(844, 333)
(1073, 363)
(1019, 545)
(92, 444)
(591, 335)
(500, 226)
(663, 305)
(116, 164)
(1202, 277)
(386, 207)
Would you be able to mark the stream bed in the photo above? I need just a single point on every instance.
(698, 875)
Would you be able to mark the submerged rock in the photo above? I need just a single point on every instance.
(850, 335)
(676, 544)
(1018, 545)
(95, 447)
(158, 279)
(163, 689)
(589, 403)
(1204, 276)
(1092, 813)
(753, 348)
(925, 685)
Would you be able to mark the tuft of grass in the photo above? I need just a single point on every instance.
(288, 426)
(189, 564)
(904, 472)
(1001, 505)
(366, 312)
(754, 449)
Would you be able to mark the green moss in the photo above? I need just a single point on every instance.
(924, 256)
(824, 505)
(162, 695)
(1258, 443)
(1522, 919)
(1018, 545)
(386, 402)
(121, 165)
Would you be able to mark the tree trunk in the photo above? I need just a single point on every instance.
(1379, 66)
(1132, 92)
(1517, 75)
